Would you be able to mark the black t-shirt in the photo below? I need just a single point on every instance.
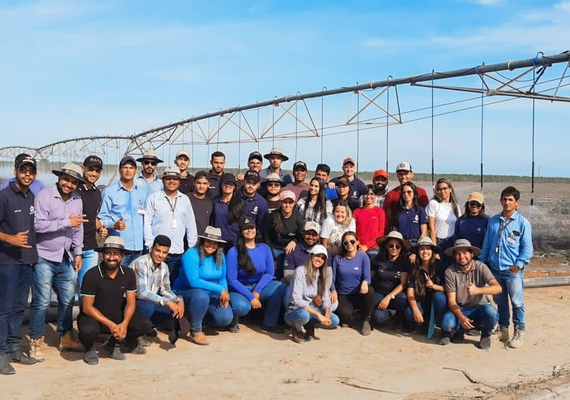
(291, 229)
(91, 203)
(437, 277)
(109, 293)
(202, 211)
(186, 184)
(17, 215)
(387, 274)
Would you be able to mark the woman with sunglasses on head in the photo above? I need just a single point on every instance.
(335, 226)
(315, 206)
(370, 222)
(228, 210)
(309, 282)
(250, 274)
(202, 283)
(390, 270)
(285, 230)
(442, 212)
(472, 225)
(351, 283)
(425, 287)
(409, 218)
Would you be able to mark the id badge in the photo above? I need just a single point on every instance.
(141, 211)
(173, 223)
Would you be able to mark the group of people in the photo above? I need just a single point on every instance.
(185, 251)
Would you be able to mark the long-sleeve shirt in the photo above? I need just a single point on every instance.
(153, 282)
(119, 202)
(238, 277)
(507, 243)
(348, 274)
(291, 230)
(172, 217)
(54, 233)
(201, 274)
(220, 219)
(256, 208)
(149, 187)
(302, 294)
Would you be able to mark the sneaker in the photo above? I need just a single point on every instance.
(136, 346)
(445, 338)
(485, 343)
(68, 342)
(458, 337)
(366, 329)
(503, 333)
(5, 367)
(91, 357)
(199, 338)
(233, 328)
(517, 340)
(310, 333)
(114, 350)
(36, 347)
(298, 336)
(19, 357)
(273, 329)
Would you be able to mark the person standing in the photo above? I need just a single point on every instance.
(202, 204)
(254, 205)
(472, 225)
(299, 186)
(36, 185)
(356, 185)
(18, 255)
(122, 209)
(169, 213)
(276, 158)
(379, 186)
(218, 162)
(182, 161)
(148, 178)
(404, 173)
(272, 187)
(507, 249)
(58, 224)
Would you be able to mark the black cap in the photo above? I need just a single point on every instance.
(93, 161)
(299, 165)
(257, 155)
(201, 175)
(246, 222)
(22, 159)
(252, 175)
(226, 178)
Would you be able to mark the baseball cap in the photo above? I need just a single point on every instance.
(348, 160)
(246, 222)
(312, 226)
(22, 159)
(288, 194)
(343, 180)
(476, 196)
(201, 175)
(227, 178)
(255, 154)
(183, 153)
(93, 161)
(127, 159)
(299, 165)
(404, 166)
(380, 172)
(254, 175)
(319, 249)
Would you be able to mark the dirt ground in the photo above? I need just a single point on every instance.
(343, 364)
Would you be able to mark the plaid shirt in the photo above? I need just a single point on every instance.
(153, 283)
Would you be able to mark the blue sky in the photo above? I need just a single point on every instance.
(79, 68)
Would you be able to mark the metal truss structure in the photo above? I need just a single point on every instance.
(291, 117)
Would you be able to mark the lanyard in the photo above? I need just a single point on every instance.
(172, 207)
(501, 230)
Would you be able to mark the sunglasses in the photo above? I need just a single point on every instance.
(273, 184)
(474, 204)
(394, 246)
(171, 178)
(149, 162)
(347, 242)
(31, 171)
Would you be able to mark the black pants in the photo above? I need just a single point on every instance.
(89, 329)
(348, 302)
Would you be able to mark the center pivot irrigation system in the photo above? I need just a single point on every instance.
(296, 117)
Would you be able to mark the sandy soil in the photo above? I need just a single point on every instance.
(253, 364)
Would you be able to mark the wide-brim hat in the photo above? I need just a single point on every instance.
(113, 242)
(70, 169)
(426, 241)
(149, 155)
(394, 235)
(213, 234)
(463, 244)
(274, 178)
(170, 172)
(276, 151)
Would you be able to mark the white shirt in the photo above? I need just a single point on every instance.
(333, 231)
(444, 218)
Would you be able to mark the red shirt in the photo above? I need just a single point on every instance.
(393, 197)
(370, 225)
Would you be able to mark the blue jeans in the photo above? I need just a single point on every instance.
(90, 260)
(300, 317)
(204, 308)
(445, 244)
(155, 312)
(513, 288)
(372, 253)
(129, 258)
(484, 318)
(15, 281)
(47, 276)
(271, 297)
(173, 261)
(279, 256)
(287, 296)
(399, 304)
(439, 301)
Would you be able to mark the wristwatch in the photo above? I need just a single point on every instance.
(392, 296)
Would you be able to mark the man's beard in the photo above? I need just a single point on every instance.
(109, 267)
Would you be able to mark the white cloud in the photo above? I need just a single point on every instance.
(48, 11)
(487, 2)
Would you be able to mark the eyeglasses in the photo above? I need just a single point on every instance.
(112, 254)
(394, 246)
(171, 178)
(474, 204)
(310, 233)
(347, 242)
(148, 162)
(441, 189)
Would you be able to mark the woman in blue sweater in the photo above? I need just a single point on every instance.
(202, 283)
(250, 278)
(351, 281)
(472, 225)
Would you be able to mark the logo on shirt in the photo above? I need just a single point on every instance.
(32, 210)
(255, 210)
(416, 219)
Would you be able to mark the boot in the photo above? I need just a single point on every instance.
(68, 342)
(298, 336)
(5, 367)
(199, 338)
(36, 347)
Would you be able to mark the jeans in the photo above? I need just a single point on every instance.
(47, 276)
(287, 296)
(158, 314)
(201, 307)
(372, 253)
(439, 301)
(484, 318)
(129, 258)
(300, 317)
(513, 288)
(173, 261)
(15, 281)
(398, 304)
(90, 260)
(445, 244)
(279, 256)
(271, 298)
